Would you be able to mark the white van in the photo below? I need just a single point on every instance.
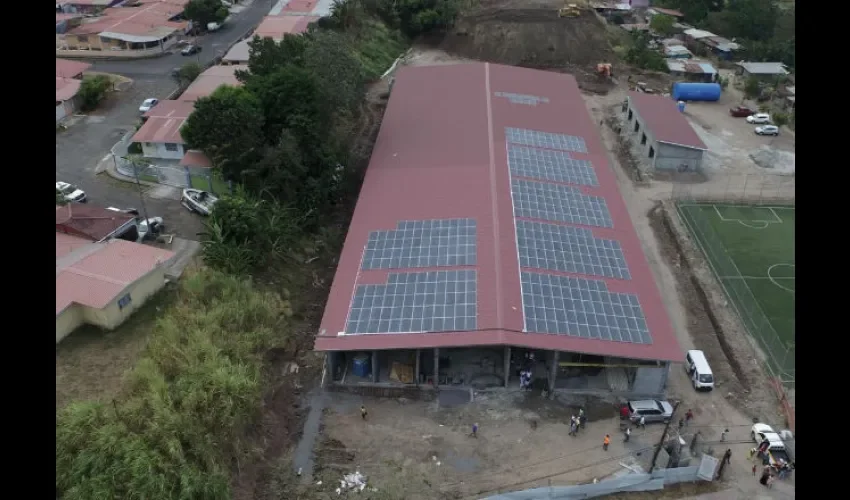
(697, 367)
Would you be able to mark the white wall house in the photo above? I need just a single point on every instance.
(164, 150)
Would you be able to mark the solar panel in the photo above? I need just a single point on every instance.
(422, 243)
(550, 165)
(570, 250)
(545, 140)
(558, 203)
(583, 308)
(433, 301)
(529, 100)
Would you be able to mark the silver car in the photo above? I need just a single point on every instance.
(650, 409)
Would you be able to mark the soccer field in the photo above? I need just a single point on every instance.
(751, 251)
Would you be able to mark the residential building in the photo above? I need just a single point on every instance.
(692, 70)
(159, 135)
(663, 134)
(69, 77)
(486, 256)
(211, 79)
(95, 224)
(676, 52)
(764, 71)
(238, 54)
(103, 283)
(654, 11)
(315, 8)
(720, 47)
(65, 22)
(150, 26)
(275, 27)
(85, 6)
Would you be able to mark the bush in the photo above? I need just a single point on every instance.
(135, 148)
(175, 430)
(93, 90)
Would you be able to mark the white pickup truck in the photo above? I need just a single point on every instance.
(776, 449)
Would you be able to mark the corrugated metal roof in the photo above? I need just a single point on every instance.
(239, 53)
(764, 68)
(697, 34)
(665, 121)
(676, 65)
(707, 68)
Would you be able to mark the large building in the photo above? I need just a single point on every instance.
(490, 237)
(662, 133)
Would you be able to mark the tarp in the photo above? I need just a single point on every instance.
(401, 373)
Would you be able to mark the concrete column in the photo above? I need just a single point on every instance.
(507, 364)
(416, 371)
(375, 367)
(329, 368)
(553, 373)
(436, 366)
(663, 388)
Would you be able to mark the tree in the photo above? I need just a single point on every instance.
(93, 90)
(266, 55)
(422, 16)
(339, 74)
(203, 12)
(641, 55)
(662, 24)
(189, 72)
(780, 119)
(752, 88)
(60, 198)
(228, 127)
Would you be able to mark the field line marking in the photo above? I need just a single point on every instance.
(776, 215)
(747, 224)
(719, 214)
(775, 282)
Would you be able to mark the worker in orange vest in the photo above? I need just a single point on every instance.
(606, 442)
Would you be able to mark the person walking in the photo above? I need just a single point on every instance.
(723, 435)
(363, 412)
(681, 423)
(606, 442)
(689, 416)
(474, 430)
(755, 467)
(628, 434)
(573, 428)
(765, 474)
(581, 418)
(727, 457)
(642, 422)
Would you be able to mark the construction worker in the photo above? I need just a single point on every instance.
(363, 412)
(606, 442)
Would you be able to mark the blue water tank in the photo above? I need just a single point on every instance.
(362, 366)
(686, 91)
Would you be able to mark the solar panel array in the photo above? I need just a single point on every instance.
(569, 249)
(558, 203)
(529, 100)
(422, 243)
(550, 165)
(545, 140)
(584, 308)
(432, 301)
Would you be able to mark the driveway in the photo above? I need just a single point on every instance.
(88, 139)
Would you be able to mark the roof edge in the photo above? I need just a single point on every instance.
(691, 146)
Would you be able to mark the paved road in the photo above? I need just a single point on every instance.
(213, 44)
(88, 140)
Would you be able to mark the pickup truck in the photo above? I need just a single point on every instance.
(776, 449)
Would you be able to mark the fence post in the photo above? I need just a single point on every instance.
(188, 176)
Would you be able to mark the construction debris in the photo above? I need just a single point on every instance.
(349, 482)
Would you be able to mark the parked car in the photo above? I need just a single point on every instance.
(759, 118)
(776, 449)
(146, 228)
(190, 50)
(148, 105)
(741, 112)
(200, 202)
(70, 192)
(650, 409)
(767, 130)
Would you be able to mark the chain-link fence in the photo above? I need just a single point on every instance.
(744, 188)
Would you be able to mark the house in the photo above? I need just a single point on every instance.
(315, 8)
(654, 11)
(676, 52)
(484, 256)
(664, 135)
(151, 26)
(764, 71)
(275, 27)
(211, 79)
(692, 70)
(85, 6)
(102, 283)
(721, 47)
(609, 8)
(69, 77)
(240, 53)
(195, 159)
(65, 22)
(635, 27)
(159, 135)
(95, 224)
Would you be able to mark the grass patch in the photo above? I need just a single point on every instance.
(91, 362)
(376, 47)
(751, 250)
(176, 428)
(219, 186)
(149, 178)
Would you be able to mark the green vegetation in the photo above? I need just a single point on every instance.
(751, 250)
(202, 12)
(60, 198)
(641, 55)
(214, 184)
(752, 88)
(662, 24)
(93, 90)
(189, 72)
(175, 430)
(766, 30)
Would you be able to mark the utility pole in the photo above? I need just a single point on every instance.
(135, 162)
(663, 436)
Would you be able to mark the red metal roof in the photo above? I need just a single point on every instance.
(664, 120)
(88, 221)
(95, 274)
(442, 150)
(275, 27)
(195, 158)
(211, 79)
(70, 69)
(171, 109)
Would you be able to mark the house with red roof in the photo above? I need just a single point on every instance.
(502, 255)
(102, 283)
(661, 132)
(69, 77)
